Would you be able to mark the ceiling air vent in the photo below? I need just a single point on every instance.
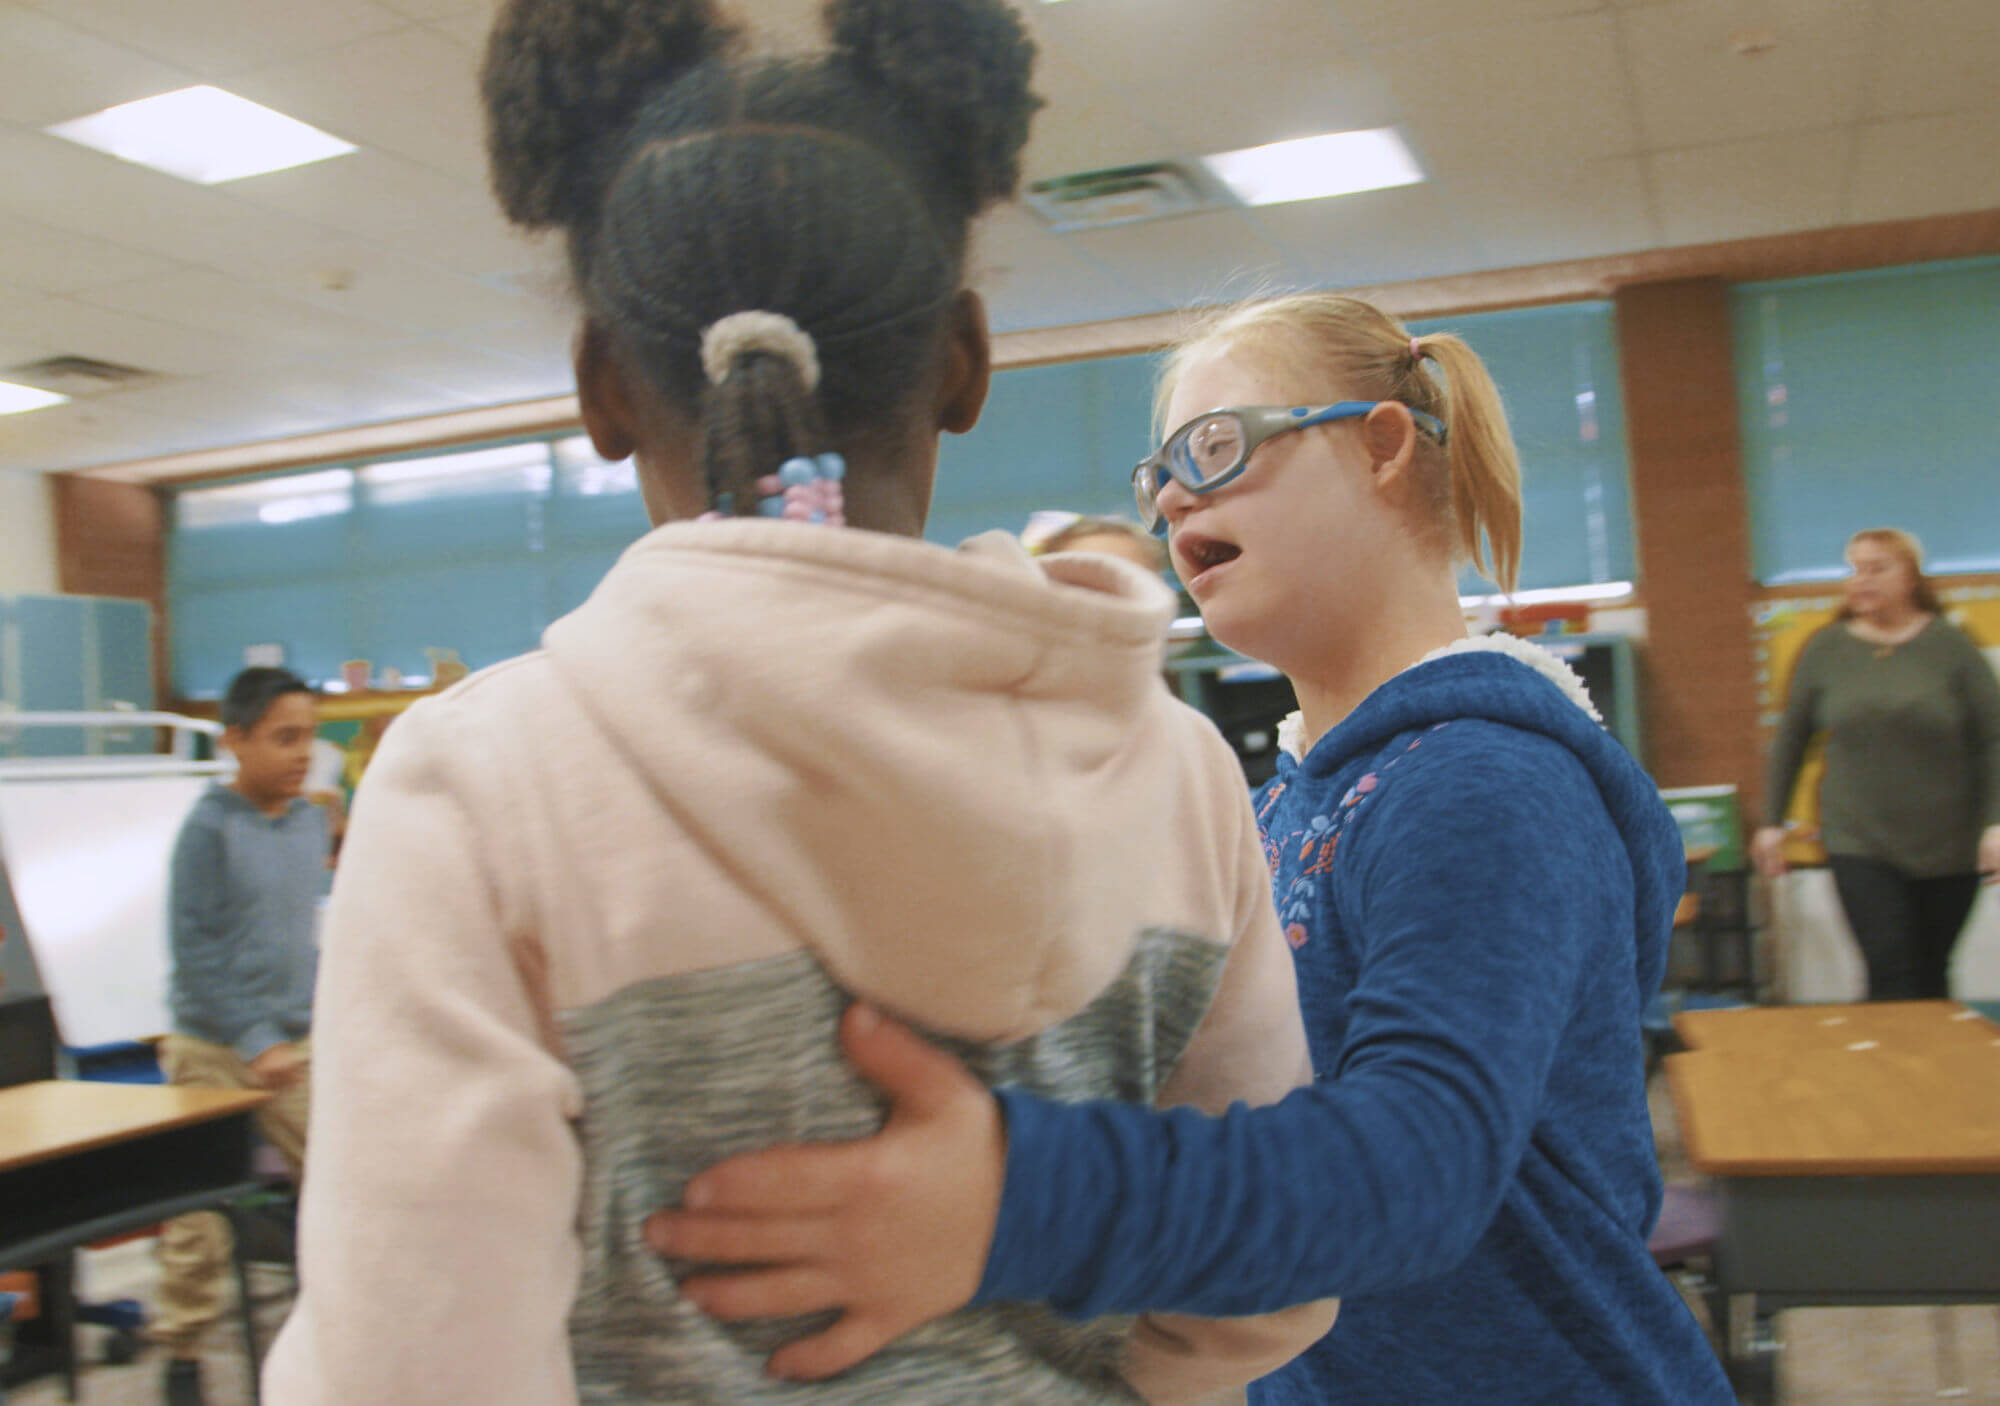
(1121, 196)
(76, 376)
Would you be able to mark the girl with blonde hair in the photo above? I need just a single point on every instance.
(1477, 883)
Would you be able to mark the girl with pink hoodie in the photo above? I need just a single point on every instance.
(602, 908)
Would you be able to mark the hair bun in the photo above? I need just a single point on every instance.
(963, 65)
(562, 76)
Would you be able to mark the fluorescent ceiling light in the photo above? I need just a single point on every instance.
(1313, 168)
(14, 399)
(202, 134)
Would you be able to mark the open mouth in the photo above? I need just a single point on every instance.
(1202, 554)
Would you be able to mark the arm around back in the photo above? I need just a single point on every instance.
(1389, 1170)
(1249, 1048)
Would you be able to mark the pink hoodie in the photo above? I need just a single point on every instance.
(600, 908)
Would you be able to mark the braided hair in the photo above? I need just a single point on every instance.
(693, 182)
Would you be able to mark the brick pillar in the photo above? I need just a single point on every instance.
(1694, 534)
(111, 540)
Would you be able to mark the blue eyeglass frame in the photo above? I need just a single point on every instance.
(1258, 423)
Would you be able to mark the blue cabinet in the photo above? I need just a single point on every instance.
(70, 654)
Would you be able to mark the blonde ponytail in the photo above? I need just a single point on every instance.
(1472, 483)
(1482, 463)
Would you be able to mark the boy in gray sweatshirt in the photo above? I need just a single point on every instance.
(248, 872)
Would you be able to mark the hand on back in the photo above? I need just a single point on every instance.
(893, 1229)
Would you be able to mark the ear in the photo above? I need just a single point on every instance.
(233, 737)
(603, 399)
(968, 369)
(1391, 437)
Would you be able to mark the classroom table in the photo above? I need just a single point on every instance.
(80, 1162)
(1856, 1151)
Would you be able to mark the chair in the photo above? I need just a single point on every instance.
(263, 1229)
(1714, 917)
(27, 1040)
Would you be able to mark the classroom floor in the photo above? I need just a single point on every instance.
(1831, 1357)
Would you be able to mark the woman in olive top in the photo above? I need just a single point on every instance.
(1910, 805)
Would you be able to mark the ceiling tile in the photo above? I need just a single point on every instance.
(69, 327)
(1030, 278)
(87, 433)
(16, 348)
(1177, 42)
(542, 341)
(1550, 88)
(1540, 214)
(786, 25)
(353, 278)
(51, 71)
(1191, 83)
(468, 30)
(412, 92)
(372, 194)
(62, 261)
(1925, 166)
(1398, 22)
(1378, 236)
(229, 409)
(1087, 127)
(215, 38)
(465, 370)
(1694, 89)
(341, 394)
(444, 9)
(212, 302)
(1739, 190)
(481, 244)
(1323, 95)
(51, 182)
(1193, 260)
(1935, 56)
(1525, 113)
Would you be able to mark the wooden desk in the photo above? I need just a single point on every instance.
(1857, 1153)
(81, 1162)
(1906, 1025)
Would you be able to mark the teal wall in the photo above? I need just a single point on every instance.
(379, 565)
(379, 562)
(1051, 437)
(1557, 369)
(1871, 400)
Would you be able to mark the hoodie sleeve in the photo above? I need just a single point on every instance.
(1250, 1047)
(1387, 1172)
(438, 1250)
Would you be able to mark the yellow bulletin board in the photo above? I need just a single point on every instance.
(355, 722)
(1780, 625)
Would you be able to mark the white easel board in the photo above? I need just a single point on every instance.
(87, 858)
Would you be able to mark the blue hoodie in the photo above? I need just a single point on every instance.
(1479, 886)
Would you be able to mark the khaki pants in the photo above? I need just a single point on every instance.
(194, 1250)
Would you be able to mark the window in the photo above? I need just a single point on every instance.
(1867, 401)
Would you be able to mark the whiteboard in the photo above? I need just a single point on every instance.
(88, 859)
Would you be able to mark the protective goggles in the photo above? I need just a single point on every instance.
(1210, 450)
